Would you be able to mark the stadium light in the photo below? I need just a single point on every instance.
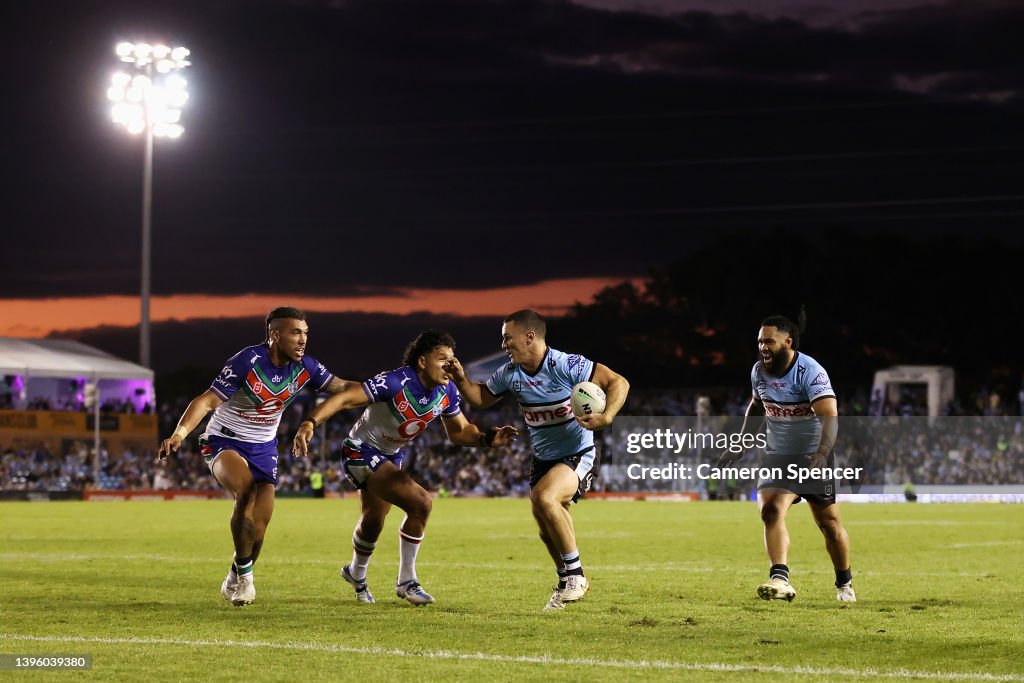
(147, 98)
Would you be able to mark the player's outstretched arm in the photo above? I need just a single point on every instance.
(827, 410)
(352, 396)
(198, 409)
(475, 393)
(338, 385)
(754, 410)
(616, 388)
(464, 433)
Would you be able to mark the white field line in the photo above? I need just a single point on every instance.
(645, 567)
(532, 659)
(988, 544)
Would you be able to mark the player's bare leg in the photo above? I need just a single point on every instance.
(837, 543)
(233, 473)
(262, 511)
(556, 595)
(551, 498)
(396, 487)
(373, 511)
(774, 504)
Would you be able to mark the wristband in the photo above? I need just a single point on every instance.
(311, 421)
(180, 432)
(487, 438)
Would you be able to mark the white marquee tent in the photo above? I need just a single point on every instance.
(64, 358)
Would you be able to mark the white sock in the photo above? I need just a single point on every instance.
(361, 553)
(408, 548)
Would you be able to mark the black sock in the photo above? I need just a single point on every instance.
(561, 578)
(843, 577)
(780, 571)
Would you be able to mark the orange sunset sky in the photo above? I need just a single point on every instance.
(40, 317)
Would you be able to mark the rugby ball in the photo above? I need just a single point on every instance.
(587, 399)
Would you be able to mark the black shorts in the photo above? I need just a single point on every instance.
(821, 492)
(584, 464)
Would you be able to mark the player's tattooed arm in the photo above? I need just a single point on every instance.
(338, 385)
(826, 410)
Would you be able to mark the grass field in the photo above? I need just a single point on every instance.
(136, 585)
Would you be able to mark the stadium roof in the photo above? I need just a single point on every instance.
(64, 358)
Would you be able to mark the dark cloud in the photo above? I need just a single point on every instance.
(393, 143)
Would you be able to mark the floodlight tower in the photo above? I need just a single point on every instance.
(148, 98)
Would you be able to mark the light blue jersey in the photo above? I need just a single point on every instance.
(544, 400)
(792, 427)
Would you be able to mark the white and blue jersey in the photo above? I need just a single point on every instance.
(792, 429)
(544, 400)
(400, 408)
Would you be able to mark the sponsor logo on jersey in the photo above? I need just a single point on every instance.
(276, 379)
(778, 385)
(541, 416)
(412, 423)
(775, 410)
(269, 407)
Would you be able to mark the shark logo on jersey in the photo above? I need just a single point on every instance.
(822, 378)
(517, 386)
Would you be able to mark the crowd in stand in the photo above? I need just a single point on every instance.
(893, 451)
(124, 405)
